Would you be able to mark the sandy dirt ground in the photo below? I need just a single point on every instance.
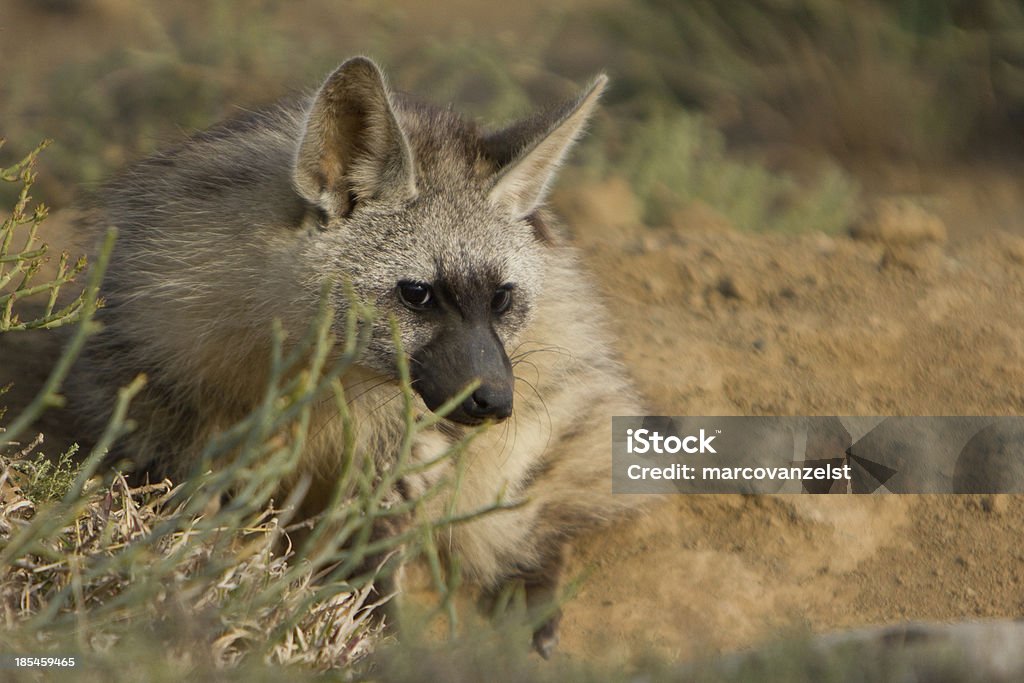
(716, 322)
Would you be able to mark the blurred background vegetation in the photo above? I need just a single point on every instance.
(772, 112)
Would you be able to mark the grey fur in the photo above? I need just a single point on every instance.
(242, 223)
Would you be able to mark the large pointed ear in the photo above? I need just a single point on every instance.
(352, 148)
(529, 153)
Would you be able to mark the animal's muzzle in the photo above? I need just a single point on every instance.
(456, 358)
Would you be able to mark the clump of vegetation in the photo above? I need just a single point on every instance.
(674, 158)
(42, 479)
(22, 255)
(905, 78)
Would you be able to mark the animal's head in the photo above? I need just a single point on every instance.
(436, 223)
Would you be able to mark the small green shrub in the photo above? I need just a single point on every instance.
(673, 158)
(22, 254)
(47, 480)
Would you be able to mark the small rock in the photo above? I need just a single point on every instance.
(899, 220)
(917, 258)
(995, 504)
(733, 287)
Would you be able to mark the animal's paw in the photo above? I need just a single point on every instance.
(545, 638)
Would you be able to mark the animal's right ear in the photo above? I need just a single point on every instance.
(529, 153)
(352, 147)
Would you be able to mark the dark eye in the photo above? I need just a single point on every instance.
(502, 299)
(416, 295)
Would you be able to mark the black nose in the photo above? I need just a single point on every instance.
(489, 401)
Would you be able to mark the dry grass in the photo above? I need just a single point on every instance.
(133, 557)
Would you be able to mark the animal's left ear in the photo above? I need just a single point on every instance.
(529, 153)
(352, 146)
